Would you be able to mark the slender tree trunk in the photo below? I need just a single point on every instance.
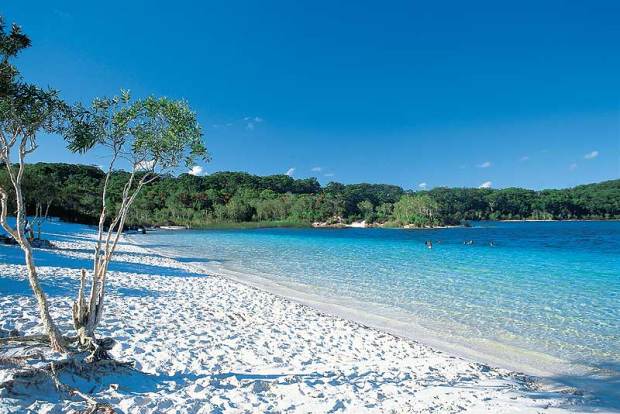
(88, 314)
(37, 220)
(56, 341)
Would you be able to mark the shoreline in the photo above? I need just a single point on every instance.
(249, 225)
(413, 331)
(206, 342)
(485, 353)
(544, 367)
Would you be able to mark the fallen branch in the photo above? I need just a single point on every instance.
(30, 375)
(94, 405)
(43, 339)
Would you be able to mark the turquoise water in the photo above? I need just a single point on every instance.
(542, 296)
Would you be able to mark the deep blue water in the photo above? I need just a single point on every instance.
(544, 295)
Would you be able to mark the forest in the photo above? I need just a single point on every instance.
(237, 199)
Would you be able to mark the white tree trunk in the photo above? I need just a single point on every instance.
(88, 314)
(56, 340)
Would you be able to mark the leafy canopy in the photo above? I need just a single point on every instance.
(416, 209)
(153, 134)
(25, 109)
(226, 197)
(11, 43)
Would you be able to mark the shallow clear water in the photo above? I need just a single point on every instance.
(546, 295)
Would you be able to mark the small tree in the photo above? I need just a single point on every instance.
(25, 110)
(151, 135)
(40, 216)
(42, 188)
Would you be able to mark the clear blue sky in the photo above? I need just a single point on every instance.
(444, 93)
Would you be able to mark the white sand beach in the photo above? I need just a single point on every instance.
(206, 344)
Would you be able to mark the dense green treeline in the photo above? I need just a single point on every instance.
(232, 198)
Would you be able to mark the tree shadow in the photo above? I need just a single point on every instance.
(600, 387)
(92, 251)
(248, 376)
(127, 381)
(68, 237)
(55, 258)
(62, 287)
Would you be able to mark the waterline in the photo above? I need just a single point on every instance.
(541, 298)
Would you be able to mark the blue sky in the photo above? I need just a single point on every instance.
(442, 93)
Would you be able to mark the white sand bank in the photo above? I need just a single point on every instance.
(207, 344)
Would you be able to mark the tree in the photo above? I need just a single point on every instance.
(366, 210)
(25, 110)
(384, 212)
(226, 197)
(152, 135)
(419, 210)
(40, 197)
(239, 208)
(511, 203)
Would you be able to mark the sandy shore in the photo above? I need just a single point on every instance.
(208, 344)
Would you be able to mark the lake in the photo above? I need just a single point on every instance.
(539, 297)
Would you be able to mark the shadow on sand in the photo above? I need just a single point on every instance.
(130, 382)
(55, 257)
(601, 387)
(64, 286)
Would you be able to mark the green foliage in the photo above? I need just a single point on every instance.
(352, 195)
(366, 210)
(155, 134)
(11, 44)
(458, 204)
(166, 132)
(74, 190)
(25, 109)
(383, 212)
(419, 210)
(236, 199)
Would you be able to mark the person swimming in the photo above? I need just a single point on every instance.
(429, 244)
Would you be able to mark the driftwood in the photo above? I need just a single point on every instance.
(78, 363)
(32, 375)
(96, 347)
(42, 339)
(94, 406)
